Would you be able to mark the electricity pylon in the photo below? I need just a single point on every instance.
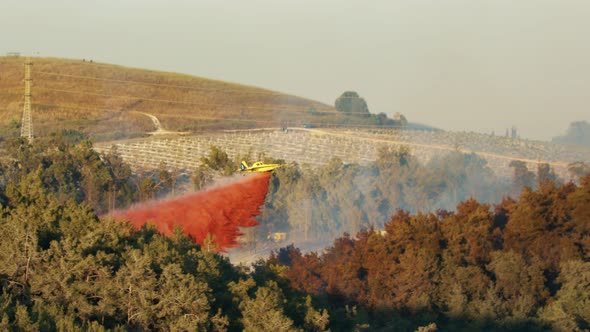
(26, 129)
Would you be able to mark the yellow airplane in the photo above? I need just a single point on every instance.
(258, 167)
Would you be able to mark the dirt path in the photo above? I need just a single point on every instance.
(159, 129)
(155, 121)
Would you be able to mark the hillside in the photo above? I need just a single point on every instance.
(110, 102)
(317, 146)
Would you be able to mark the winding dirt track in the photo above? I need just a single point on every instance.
(155, 121)
(159, 129)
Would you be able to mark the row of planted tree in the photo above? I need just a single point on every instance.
(324, 201)
(518, 264)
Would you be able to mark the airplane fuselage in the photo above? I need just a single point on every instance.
(258, 167)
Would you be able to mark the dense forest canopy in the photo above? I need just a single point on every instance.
(522, 265)
(412, 258)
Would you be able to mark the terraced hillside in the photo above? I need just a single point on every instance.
(317, 146)
(111, 102)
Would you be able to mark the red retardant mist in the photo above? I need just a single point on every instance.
(219, 211)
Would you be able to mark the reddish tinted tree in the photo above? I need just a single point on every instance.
(540, 225)
(341, 271)
(579, 205)
(469, 233)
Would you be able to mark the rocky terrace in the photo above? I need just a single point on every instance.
(317, 146)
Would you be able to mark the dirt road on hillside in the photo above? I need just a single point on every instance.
(159, 129)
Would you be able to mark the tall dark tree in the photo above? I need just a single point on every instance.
(218, 160)
(351, 103)
(545, 174)
(118, 187)
(522, 177)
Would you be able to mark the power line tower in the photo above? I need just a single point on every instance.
(26, 129)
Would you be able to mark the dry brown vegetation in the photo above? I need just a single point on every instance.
(98, 99)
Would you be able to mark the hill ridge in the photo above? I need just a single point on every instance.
(95, 98)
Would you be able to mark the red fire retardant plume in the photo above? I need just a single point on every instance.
(218, 211)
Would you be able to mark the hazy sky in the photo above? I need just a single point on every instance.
(473, 65)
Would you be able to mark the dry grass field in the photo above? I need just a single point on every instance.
(103, 101)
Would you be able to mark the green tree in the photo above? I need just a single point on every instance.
(351, 103)
(315, 320)
(571, 309)
(201, 177)
(521, 285)
(462, 288)
(183, 302)
(118, 189)
(218, 160)
(145, 186)
(264, 311)
(522, 176)
(167, 179)
(76, 282)
(23, 320)
(136, 283)
(94, 175)
(545, 173)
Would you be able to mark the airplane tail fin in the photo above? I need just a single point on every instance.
(243, 166)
